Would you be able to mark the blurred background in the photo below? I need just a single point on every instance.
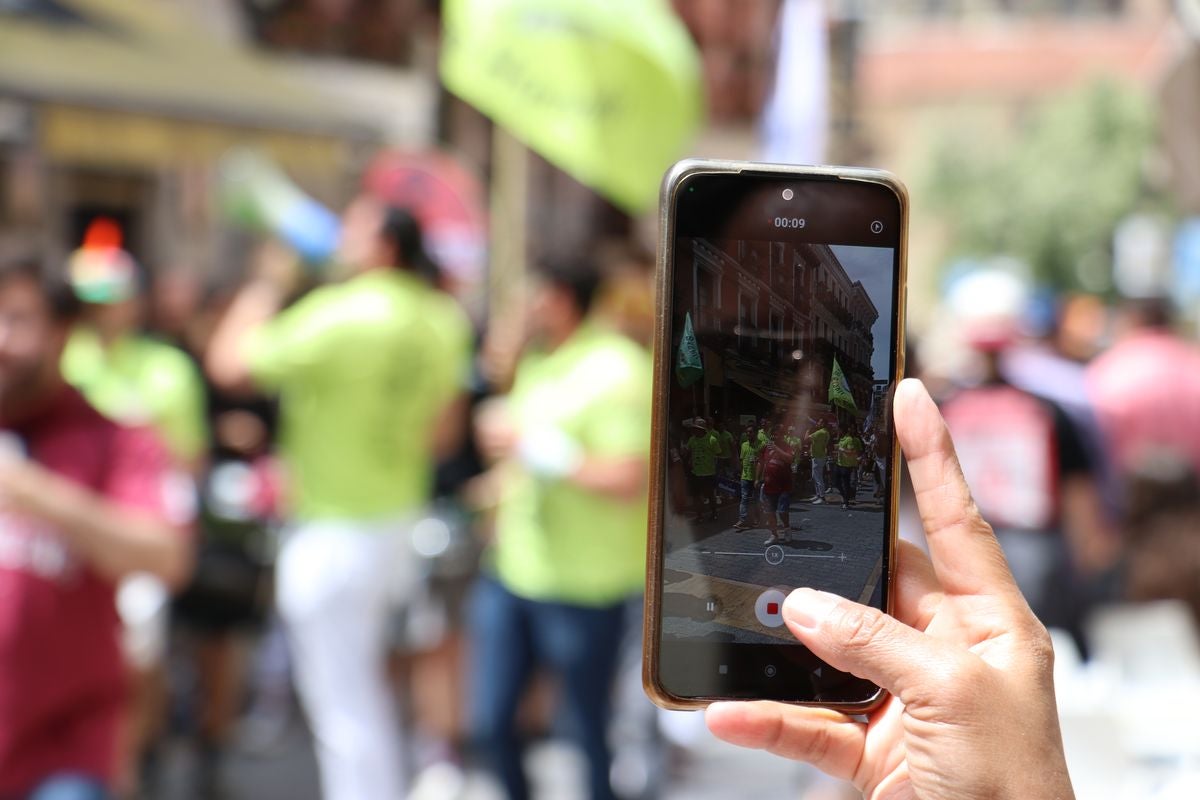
(1052, 153)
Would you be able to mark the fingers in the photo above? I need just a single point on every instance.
(831, 742)
(917, 592)
(964, 551)
(868, 643)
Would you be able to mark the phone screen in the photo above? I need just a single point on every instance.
(783, 328)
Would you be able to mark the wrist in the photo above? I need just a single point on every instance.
(31, 490)
(267, 288)
(549, 453)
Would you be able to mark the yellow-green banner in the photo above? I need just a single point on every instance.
(607, 90)
(839, 388)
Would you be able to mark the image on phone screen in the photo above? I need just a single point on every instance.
(779, 443)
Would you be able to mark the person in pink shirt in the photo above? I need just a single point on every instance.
(1146, 390)
(83, 502)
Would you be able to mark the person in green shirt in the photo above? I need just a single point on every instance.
(849, 451)
(137, 381)
(818, 450)
(748, 458)
(704, 450)
(571, 443)
(727, 464)
(795, 443)
(370, 373)
(126, 375)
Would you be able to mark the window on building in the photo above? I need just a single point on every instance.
(745, 325)
(708, 300)
(774, 329)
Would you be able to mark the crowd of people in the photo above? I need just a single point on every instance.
(193, 475)
(771, 464)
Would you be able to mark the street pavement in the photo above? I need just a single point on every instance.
(827, 547)
(714, 573)
(706, 770)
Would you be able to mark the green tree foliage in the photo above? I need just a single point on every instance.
(1052, 195)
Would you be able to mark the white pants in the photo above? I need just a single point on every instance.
(337, 581)
(818, 476)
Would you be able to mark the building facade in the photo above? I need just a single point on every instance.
(771, 318)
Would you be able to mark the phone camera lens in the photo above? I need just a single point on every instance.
(770, 671)
(788, 194)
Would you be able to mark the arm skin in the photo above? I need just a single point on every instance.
(115, 541)
(621, 478)
(253, 306)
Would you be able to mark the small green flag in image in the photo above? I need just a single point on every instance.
(839, 388)
(688, 367)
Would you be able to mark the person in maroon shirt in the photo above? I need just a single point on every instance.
(83, 502)
(775, 474)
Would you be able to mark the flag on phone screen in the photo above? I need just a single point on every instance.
(839, 388)
(688, 367)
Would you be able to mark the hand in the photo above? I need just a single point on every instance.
(495, 431)
(276, 264)
(971, 711)
(25, 487)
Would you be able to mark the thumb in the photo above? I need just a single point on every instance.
(870, 644)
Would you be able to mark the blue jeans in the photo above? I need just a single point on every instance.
(70, 786)
(512, 637)
(747, 496)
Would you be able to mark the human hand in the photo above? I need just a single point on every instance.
(495, 430)
(971, 711)
(26, 487)
(275, 264)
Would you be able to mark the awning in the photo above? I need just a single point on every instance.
(760, 385)
(130, 72)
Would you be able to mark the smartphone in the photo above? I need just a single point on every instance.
(780, 337)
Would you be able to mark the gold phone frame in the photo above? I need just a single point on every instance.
(652, 623)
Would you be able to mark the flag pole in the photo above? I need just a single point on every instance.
(509, 215)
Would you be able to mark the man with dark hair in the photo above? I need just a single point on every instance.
(818, 444)
(85, 502)
(370, 374)
(748, 453)
(703, 449)
(570, 446)
(849, 450)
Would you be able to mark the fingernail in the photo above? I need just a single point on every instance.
(808, 607)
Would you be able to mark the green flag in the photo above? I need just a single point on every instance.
(610, 91)
(839, 388)
(688, 367)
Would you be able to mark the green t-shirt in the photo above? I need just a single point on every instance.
(749, 456)
(849, 450)
(141, 381)
(794, 443)
(726, 439)
(819, 443)
(704, 449)
(555, 540)
(364, 369)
